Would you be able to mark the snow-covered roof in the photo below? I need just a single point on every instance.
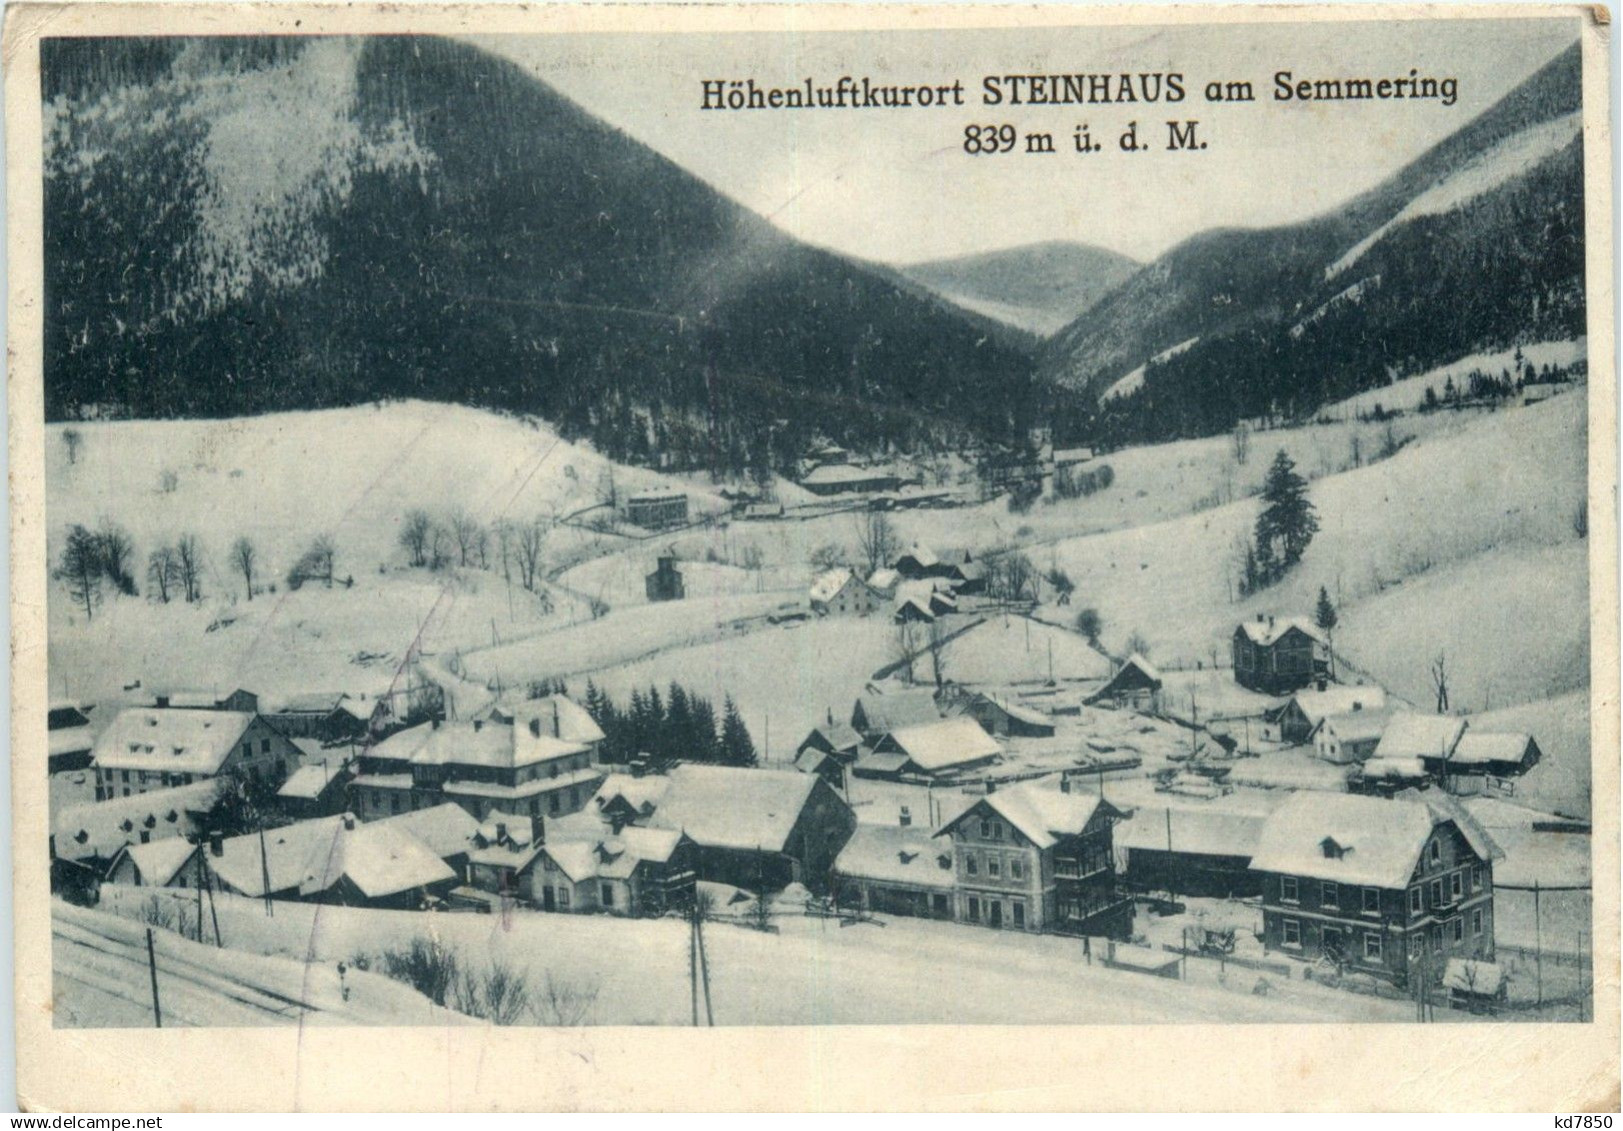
(837, 736)
(1409, 735)
(1356, 838)
(1378, 767)
(311, 703)
(190, 698)
(1482, 747)
(884, 578)
(1017, 710)
(921, 608)
(576, 859)
(101, 828)
(380, 859)
(942, 743)
(830, 474)
(1472, 975)
(1268, 631)
(1042, 813)
(69, 740)
(1072, 455)
(810, 760)
(896, 854)
(559, 716)
(896, 709)
(1197, 831)
(447, 829)
(308, 781)
(533, 787)
(1337, 700)
(828, 584)
(159, 860)
(170, 740)
(641, 793)
(245, 861)
(732, 807)
(657, 495)
(1355, 726)
(479, 742)
(881, 761)
(921, 554)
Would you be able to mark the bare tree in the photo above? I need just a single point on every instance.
(1242, 442)
(877, 539)
(1137, 645)
(414, 532)
(505, 538)
(564, 1001)
(163, 572)
(189, 555)
(114, 544)
(938, 653)
(243, 557)
(439, 545)
(481, 547)
(530, 538)
(324, 557)
(1439, 682)
(906, 645)
(71, 441)
(465, 529)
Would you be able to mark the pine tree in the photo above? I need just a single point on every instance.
(1287, 522)
(81, 568)
(678, 733)
(737, 748)
(1325, 614)
(706, 739)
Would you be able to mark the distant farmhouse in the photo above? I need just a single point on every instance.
(944, 746)
(665, 583)
(657, 510)
(1136, 685)
(896, 870)
(839, 591)
(238, 700)
(1279, 656)
(838, 479)
(1394, 887)
(1300, 717)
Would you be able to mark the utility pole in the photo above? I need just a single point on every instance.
(200, 897)
(1538, 944)
(152, 968)
(264, 871)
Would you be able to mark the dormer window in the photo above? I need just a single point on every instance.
(1332, 849)
(1436, 851)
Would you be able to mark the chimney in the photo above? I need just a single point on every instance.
(1065, 783)
(830, 716)
(478, 725)
(906, 817)
(216, 844)
(991, 788)
(1259, 618)
(557, 727)
(1358, 704)
(617, 822)
(1322, 683)
(501, 831)
(349, 822)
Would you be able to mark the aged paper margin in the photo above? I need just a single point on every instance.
(1198, 1067)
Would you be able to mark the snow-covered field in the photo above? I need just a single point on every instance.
(812, 972)
(1409, 393)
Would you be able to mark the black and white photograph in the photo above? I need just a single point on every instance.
(928, 525)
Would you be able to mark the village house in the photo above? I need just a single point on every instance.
(829, 751)
(874, 715)
(752, 828)
(1005, 717)
(1350, 737)
(1278, 656)
(191, 700)
(586, 866)
(895, 870)
(1306, 709)
(1482, 754)
(883, 582)
(656, 510)
(1385, 886)
(319, 788)
(170, 863)
(960, 570)
(917, 563)
(762, 512)
(520, 768)
(1420, 737)
(665, 583)
(842, 478)
(93, 833)
(1135, 686)
(1202, 851)
(913, 610)
(560, 716)
(942, 747)
(1038, 858)
(327, 716)
(447, 830)
(70, 740)
(147, 748)
(841, 591)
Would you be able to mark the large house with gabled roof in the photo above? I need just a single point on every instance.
(149, 748)
(1276, 656)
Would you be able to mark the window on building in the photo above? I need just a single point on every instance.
(264, 746)
(553, 804)
(563, 896)
(1436, 893)
(1414, 900)
(1372, 946)
(994, 867)
(1019, 913)
(986, 830)
(247, 750)
(146, 836)
(1476, 877)
(1456, 881)
(972, 866)
(1290, 932)
(1436, 851)
(974, 910)
(394, 804)
(1017, 868)
(1437, 938)
(1476, 921)
(1372, 901)
(608, 895)
(1287, 889)
(1459, 930)
(1329, 894)
(124, 777)
(997, 830)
